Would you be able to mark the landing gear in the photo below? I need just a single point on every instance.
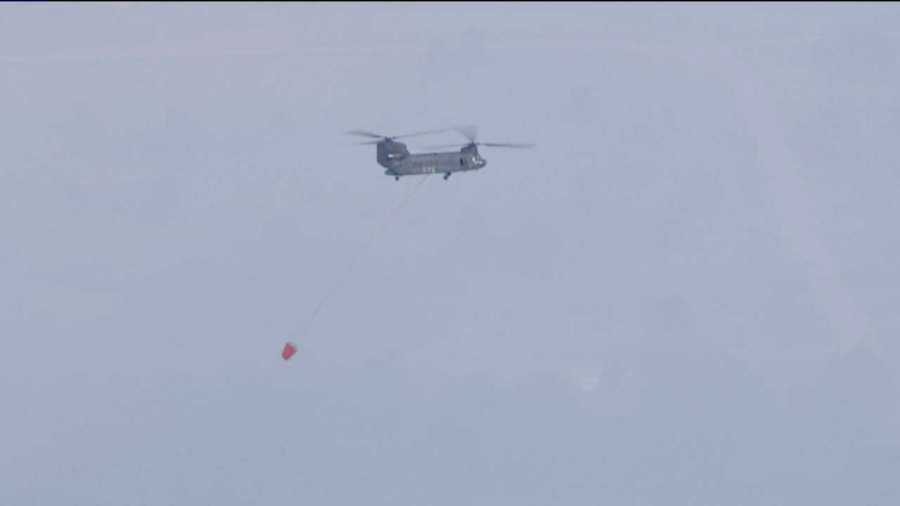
(446, 176)
(396, 178)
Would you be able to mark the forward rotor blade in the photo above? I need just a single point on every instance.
(468, 131)
(444, 146)
(489, 144)
(506, 145)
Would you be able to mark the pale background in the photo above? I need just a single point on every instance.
(687, 294)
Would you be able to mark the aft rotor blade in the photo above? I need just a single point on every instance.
(423, 132)
(364, 133)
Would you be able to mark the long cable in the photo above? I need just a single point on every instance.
(375, 234)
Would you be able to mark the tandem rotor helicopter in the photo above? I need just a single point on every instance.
(396, 158)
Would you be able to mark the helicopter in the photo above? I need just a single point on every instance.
(398, 161)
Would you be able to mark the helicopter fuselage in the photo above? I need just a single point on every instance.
(398, 161)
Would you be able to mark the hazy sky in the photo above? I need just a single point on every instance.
(685, 295)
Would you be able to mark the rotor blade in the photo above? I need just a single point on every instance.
(489, 144)
(363, 133)
(443, 146)
(468, 131)
(423, 132)
(369, 142)
(505, 145)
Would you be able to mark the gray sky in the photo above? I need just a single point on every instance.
(685, 295)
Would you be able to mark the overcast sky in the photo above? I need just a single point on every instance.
(686, 294)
